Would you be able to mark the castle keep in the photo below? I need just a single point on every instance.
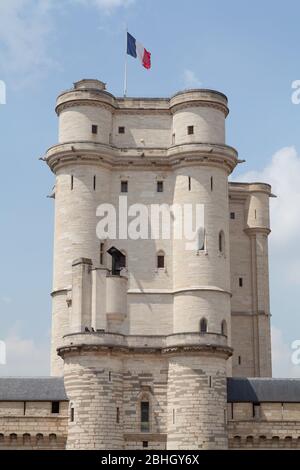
(153, 343)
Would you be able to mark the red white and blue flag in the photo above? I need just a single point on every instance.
(136, 49)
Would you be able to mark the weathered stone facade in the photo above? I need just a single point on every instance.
(146, 353)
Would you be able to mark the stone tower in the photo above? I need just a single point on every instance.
(145, 350)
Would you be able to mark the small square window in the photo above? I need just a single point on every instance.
(145, 443)
(232, 215)
(121, 130)
(94, 129)
(160, 186)
(55, 407)
(124, 186)
(190, 130)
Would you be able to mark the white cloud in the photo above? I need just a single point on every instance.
(25, 27)
(283, 173)
(190, 79)
(106, 6)
(282, 356)
(25, 356)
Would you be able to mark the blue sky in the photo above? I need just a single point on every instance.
(248, 50)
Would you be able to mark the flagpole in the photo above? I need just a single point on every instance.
(125, 68)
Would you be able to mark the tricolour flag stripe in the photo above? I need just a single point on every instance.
(136, 49)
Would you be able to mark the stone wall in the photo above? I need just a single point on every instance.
(31, 425)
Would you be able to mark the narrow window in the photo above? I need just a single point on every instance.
(72, 182)
(232, 215)
(160, 186)
(72, 414)
(211, 183)
(209, 381)
(190, 130)
(109, 376)
(190, 183)
(201, 238)
(160, 261)
(203, 325)
(94, 129)
(240, 281)
(24, 408)
(256, 410)
(118, 415)
(173, 139)
(224, 328)
(240, 360)
(231, 409)
(121, 130)
(145, 416)
(221, 242)
(101, 253)
(124, 186)
(145, 443)
(255, 214)
(94, 182)
(174, 416)
(55, 407)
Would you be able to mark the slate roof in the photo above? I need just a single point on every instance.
(263, 390)
(255, 390)
(32, 389)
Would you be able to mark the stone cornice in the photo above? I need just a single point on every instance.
(86, 343)
(252, 231)
(86, 152)
(87, 95)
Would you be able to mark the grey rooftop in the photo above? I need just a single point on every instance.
(32, 389)
(258, 390)
(253, 390)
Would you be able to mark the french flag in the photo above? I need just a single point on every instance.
(136, 49)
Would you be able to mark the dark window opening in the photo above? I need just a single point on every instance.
(221, 242)
(145, 416)
(224, 328)
(160, 261)
(94, 129)
(109, 376)
(101, 253)
(118, 415)
(211, 183)
(72, 414)
(240, 281)
(209, 382)
(239, 360)
(72, 182)
(190, 183)
(94, 182)
(160, 186)
(190, 130)
(124, 186)
(203, 325)
(55, 407)
(121, 130)
(256, 410)
(145, 443)
(232, 215)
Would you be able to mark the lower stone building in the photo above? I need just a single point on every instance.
(261, 414)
